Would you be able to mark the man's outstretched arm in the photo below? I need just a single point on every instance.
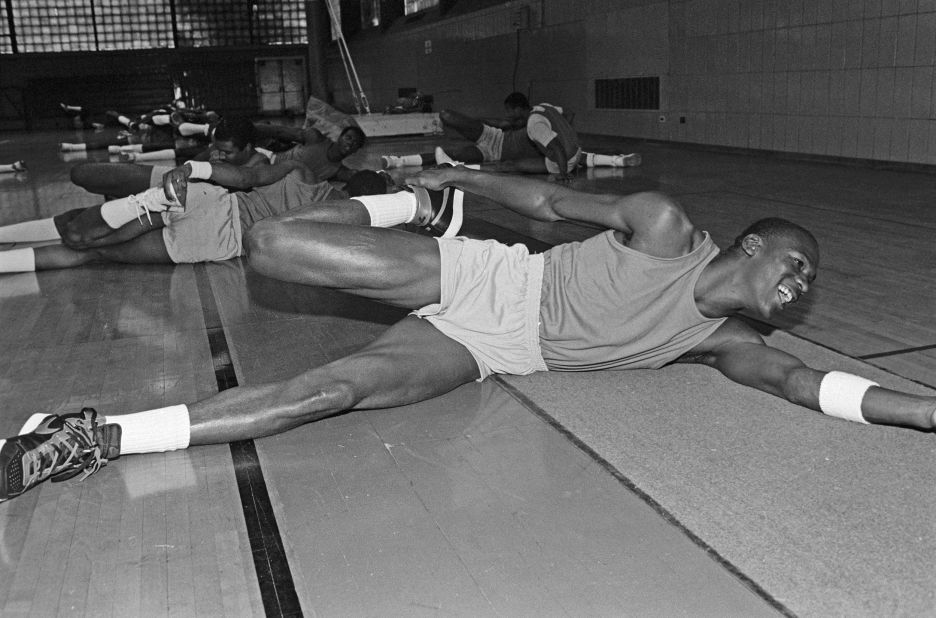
(230, 176)
(633, 214)
(751, 362)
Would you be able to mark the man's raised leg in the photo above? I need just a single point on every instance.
(112, 179)
(392, 266)
(468, 127)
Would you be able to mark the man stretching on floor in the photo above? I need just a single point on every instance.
(651, 290)
(232, 141)
(151, 228)
(532, 140)
(323, 156)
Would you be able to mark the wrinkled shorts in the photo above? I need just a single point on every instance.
(491, 143)
(490, 304)
(210, 228)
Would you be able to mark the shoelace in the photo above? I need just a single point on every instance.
(70, 447)
(138, 204)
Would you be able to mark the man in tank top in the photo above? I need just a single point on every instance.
(650, 290)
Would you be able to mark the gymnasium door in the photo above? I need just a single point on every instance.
(281, 85)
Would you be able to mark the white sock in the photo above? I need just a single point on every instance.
(119, 212)
(161, 119)
(189, 128)
(153, 155)
(153, 431)
(603, 160)
(117, 149)
(18, 261)
(30, 231)
(8, 167)
(391, 209)
(124, 121)
(70, 147)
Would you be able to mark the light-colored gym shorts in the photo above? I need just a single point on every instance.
(491, 143)
(490, 303)
(210, 228)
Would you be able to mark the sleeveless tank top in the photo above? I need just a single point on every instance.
(314, 157)
(282, 196)
(607, 306)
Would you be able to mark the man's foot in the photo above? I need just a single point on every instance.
(628, 160)
(439, 211)
(158, 199)
(59, 447)
(20, 166)
(73, 147)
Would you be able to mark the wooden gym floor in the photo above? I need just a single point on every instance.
(628, 493)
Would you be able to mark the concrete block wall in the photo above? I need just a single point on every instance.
(843, 78)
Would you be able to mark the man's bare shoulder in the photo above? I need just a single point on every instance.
(660, 225)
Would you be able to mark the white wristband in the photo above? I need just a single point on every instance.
(201, 170)
(840, 395)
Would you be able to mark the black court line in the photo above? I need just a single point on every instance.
(921, 348)
(277, 589)
(753, 586)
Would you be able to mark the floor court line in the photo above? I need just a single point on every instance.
(277, 589)
(625, 481)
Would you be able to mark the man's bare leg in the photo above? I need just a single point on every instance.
(145, 248)
(112, 179)
(467, 126)
(412, 361)
(467, 154)
(517, 166)
(395, 267)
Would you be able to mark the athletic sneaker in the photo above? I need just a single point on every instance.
(58, 448)
(442, 158)
(440, 212)
(20, 166)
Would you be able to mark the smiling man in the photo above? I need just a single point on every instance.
(652, 289)
(323, 156)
